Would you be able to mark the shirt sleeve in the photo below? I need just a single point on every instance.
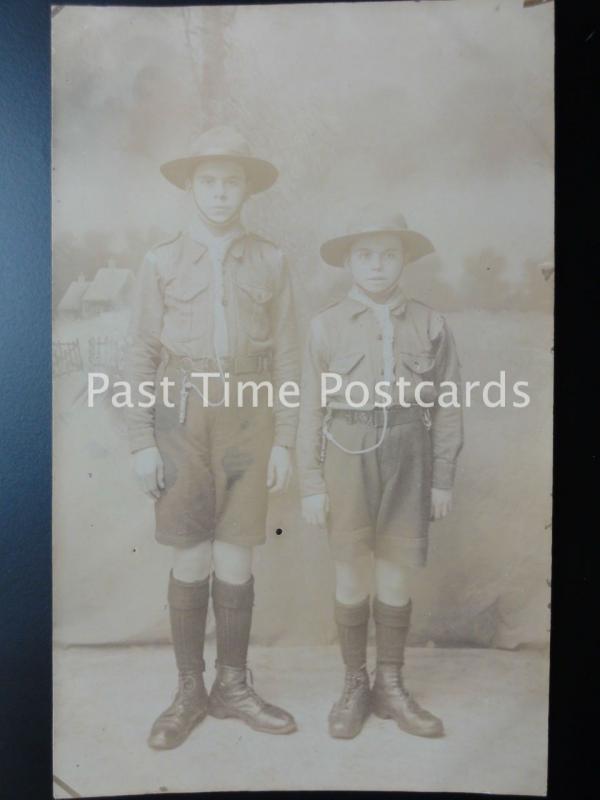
(144, 351)
(310, 468)
(286, 361)
(447, 423)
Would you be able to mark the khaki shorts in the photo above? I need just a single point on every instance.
(380, 501)
(215, 467)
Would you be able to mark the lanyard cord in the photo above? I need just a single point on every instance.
(186, 385)
(330, 437)
(387, 352)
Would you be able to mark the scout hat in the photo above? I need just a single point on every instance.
(221, 142)
(334, 251)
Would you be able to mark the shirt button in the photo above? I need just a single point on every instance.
(379, 337)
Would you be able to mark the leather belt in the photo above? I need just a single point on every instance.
(396, 415)
(234, 365)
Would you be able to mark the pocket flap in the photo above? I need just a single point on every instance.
(342, 365)
(260, 294)
(419, 363)
(187, 285)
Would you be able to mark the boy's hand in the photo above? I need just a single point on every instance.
(315, 508)
(279, 471)
(441, 502)
(149, 471)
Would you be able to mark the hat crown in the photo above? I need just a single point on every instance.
(220, 141)
(373, 220)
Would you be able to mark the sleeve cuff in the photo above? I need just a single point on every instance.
(312, 482)
(443, 474)
(285, 436)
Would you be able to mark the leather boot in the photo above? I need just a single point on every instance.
(390, 700)
(188, 604)
(349, 713)
(231, 695)
(188, 708)
(389, 697)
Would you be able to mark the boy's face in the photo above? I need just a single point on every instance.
(376, 262)
(219, 188)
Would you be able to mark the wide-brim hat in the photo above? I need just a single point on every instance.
(334, 251)
(222, 142)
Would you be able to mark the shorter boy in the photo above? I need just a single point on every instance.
(377, 475)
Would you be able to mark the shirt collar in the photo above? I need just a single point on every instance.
(358, 302)
(200, 238)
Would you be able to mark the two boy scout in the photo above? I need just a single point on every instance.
(376, 475)
(214, 299)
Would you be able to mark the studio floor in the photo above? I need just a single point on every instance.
(493, 703)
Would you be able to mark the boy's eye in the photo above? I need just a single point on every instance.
(233, 182)
(391, 255)
(206, 180)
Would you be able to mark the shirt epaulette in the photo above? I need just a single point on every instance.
(331, 304)
(165, 242)
(259, 238)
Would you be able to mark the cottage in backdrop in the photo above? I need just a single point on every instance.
(110, 290)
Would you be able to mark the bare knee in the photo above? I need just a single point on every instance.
(192, 564)
(392, 582)
(353, 580)
(233, 563)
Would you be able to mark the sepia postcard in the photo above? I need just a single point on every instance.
(303, 291)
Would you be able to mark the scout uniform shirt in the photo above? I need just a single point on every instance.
(361, 342)
(237, 303)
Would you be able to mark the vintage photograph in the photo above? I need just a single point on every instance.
(303, 291)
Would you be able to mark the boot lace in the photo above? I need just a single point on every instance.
(186, 687)
(352, 681)
(397, 682)
(250, 691)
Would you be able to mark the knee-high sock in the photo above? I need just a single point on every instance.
(352, 624)
(232, 604)
(391, 631)
(188, 604)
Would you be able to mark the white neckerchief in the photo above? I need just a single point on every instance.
(383, 316)
(218, 245)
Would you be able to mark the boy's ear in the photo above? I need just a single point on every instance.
(188, 183)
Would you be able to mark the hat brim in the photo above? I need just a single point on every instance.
(335, 251)
(261, 174)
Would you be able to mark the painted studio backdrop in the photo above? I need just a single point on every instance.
(444, 111)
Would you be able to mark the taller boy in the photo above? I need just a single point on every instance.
(215, 299)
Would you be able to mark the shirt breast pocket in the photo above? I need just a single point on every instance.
(186, 307)
(419, 364)
(420, 368)
(347, 367)
(254, 303)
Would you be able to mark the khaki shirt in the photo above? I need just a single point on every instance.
(347, 339)
(173, 309)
